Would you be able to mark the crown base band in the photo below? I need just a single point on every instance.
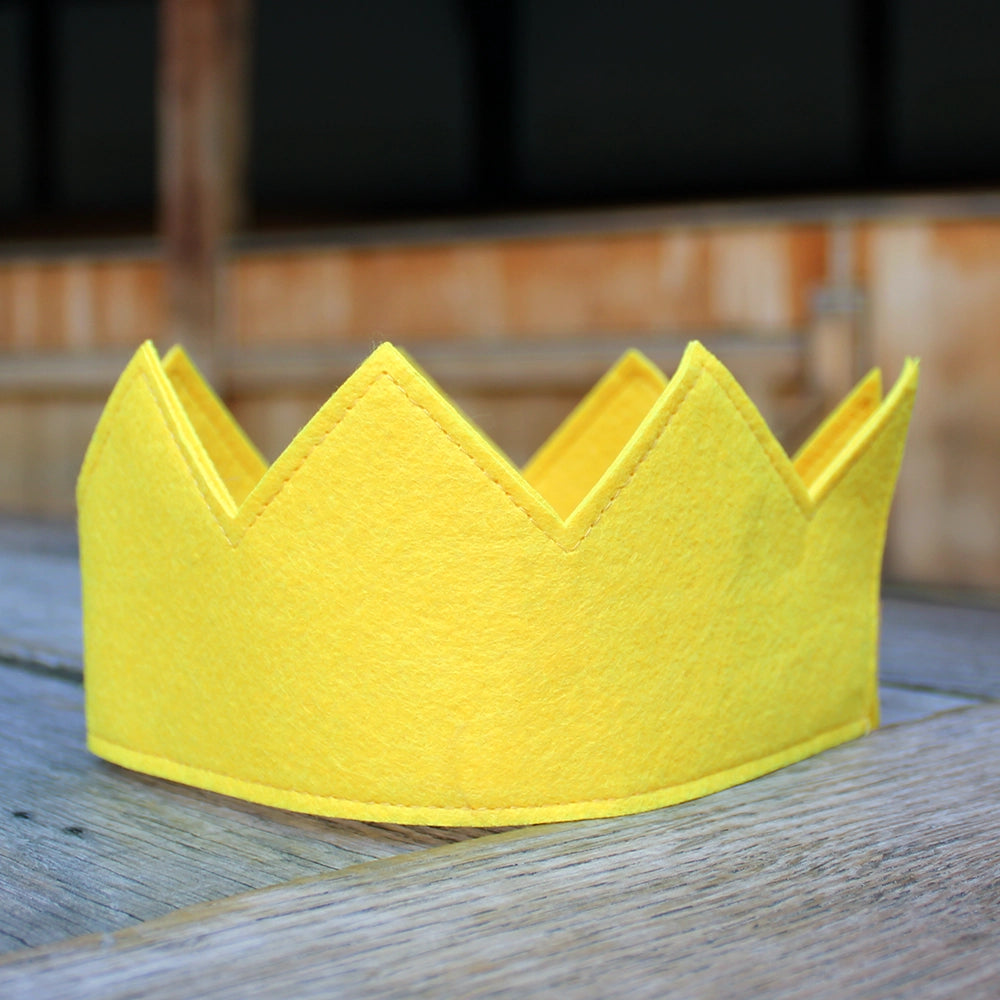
(436, 815)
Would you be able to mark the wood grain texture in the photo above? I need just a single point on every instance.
(78, 301)
(42, 442)
(553, 286)
(515, 283)
(904, 704)
(868, 871)
(194, 91)
(40, 595)
(86, 846)
(40, 611)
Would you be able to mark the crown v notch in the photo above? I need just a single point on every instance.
(237, 460)
(390, 365)
(891, 416)
(751, 416)
(838, 427)
(580, 451)
(238, 488)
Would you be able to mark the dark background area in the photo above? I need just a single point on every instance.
(391, 108)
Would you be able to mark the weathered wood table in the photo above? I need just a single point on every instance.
(871, 870)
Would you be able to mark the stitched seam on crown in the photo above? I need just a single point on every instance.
(109, 423)
(187, 460)
(544, 805)
(279, 489)
(110, 420)
(218, 431)
(767, 445)
(475, 461)
(642, 458)
(362, 393)
(523, 509)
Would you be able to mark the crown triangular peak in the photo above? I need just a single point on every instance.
(141, 361)
(395, 367)
(385, 361)
(633, 362)
(618, 471)
(391, 365)
(864, 413)
(700, 357)
(697, 362)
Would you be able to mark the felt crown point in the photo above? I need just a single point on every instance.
(394, 623)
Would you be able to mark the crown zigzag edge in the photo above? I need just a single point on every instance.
(236, 517)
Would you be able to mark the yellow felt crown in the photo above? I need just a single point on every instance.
(394, 623)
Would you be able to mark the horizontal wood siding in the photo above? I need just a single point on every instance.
(919, 285)
(934, 292)
(757, 279)
(79, 304)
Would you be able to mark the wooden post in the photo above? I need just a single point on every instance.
(203, 46)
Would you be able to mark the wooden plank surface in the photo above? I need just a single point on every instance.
(40, 596)
(85, 846)
(867, 871)
(903, 704)
(88, 847)
(940, 646)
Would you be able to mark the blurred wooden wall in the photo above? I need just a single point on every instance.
(517, 329)
(517, 325)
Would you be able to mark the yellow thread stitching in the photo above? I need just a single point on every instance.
(767, 443)
(642, 458)
(218, 428)
(284, 482)
(804, 504)
(186, 459)
(108, 424)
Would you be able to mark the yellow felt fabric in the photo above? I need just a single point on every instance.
(570, 463)
(236, 460)
(393, 623)
(838, 428)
